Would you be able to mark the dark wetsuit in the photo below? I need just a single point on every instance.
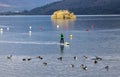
(62, 38)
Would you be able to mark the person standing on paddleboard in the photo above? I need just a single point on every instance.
(61, 38)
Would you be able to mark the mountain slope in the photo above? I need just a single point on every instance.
(81, 7)
(18, 5)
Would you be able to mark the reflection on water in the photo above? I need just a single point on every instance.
(62, 49)
(30, 33)
(62, 22)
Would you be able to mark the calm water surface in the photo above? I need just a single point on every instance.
(102, 39)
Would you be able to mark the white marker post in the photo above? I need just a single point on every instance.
(30, 27)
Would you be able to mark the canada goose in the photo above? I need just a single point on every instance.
(45, 63)
(85, 57)
(75, 57)
(29, 59)
(97, 58)
(60, 58)
(40, 57)
(9, 57)
(83, 67)
(95, 61)
(107, 67)
(72, 65)
(24, 59)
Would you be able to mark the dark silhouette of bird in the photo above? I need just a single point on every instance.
(9, 57)
(83, 67)
(45, 63)
(107, 67)
(40, 57)
(60, 58)
(95, 61)
(97, 58)
(23, 59)
(72, 65)
(85, 57)
(75, 57)
(29, 59)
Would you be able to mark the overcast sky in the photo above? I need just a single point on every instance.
(16, 5)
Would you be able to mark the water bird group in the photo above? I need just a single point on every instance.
(82, 66)
(28, 59)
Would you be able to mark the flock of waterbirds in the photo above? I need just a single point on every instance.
(95, 60)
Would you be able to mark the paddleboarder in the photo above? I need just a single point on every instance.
(61, 38)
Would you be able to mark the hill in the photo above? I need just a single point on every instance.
(19, 5)
(79, 7)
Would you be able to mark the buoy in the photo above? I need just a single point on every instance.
(92, 26)
(71, 36)
(30, 27)
(40, 28)
(1, 29)
(58, 26)
(65, 27)
(87, 30)
(8, 28)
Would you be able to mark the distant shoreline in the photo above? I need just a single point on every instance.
(50, 15)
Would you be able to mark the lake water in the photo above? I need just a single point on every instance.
(32, 36)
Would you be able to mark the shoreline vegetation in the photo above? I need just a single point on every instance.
(63, 14)
(50, 15)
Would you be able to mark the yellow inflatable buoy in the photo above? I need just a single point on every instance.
(71, 36)
(66, 43)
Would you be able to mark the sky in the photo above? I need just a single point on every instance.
(18, 5)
